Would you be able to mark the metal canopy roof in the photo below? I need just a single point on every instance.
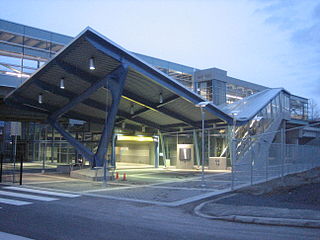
(248, 107)
(141, 93)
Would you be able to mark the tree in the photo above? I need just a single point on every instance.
(314, 111)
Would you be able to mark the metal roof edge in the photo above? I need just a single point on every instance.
(244, 121)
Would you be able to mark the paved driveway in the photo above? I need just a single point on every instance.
(155, 186)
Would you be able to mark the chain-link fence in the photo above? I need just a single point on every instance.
(255, 159)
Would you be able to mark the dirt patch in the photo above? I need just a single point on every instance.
(286, 184)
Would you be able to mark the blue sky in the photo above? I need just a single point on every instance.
(275, 43)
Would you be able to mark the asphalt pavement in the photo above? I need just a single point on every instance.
(144, 207)
(52, 215)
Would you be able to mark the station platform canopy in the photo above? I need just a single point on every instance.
(75, 84)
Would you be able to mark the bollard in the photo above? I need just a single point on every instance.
(124, 177)
(1, 165)
(21, 168)
(117, 175)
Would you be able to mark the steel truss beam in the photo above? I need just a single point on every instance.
(46, 108)
(83, 75)
(92, 103)
(86, 94)
(68, 94)
(33, 106)
(208, 123)
(154, 75)
(154, 107)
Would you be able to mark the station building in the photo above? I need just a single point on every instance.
(86, 99)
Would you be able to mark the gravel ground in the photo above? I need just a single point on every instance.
(303, 197)
(295, 191)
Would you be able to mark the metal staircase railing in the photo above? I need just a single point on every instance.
(252, 141)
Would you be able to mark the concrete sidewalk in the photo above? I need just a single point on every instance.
(164, 187)
(299, 206)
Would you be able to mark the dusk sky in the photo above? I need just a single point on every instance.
(272, 43)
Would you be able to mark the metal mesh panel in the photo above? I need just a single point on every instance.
(259, 165)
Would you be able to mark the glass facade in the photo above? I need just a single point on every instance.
(298, 108)
(183, 78)
(179, 72)
(24, 49)
(215, 142)
(235, 93)
(205, 89)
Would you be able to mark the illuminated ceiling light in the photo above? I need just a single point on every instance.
(91, 64)
(62, 83)
(40, 98)
(139, 138)
(160, 98)
(131, 109)
(234, 113)
(202, 104)
(17, 74)
(233, 96)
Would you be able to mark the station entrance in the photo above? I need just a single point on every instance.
(42, 149)
(136, 151)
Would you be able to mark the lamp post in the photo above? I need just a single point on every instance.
(232, 143)
(201, 105)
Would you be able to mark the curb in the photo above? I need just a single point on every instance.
(258, 220)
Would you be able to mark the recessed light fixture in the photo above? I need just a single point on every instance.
(62, 83)
(40, 98)
(91, 64)
(160, 98)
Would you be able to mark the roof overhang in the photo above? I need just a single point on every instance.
(143, 86)
(247, 108)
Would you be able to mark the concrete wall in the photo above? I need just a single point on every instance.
(135, 152)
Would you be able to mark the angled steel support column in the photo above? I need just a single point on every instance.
(53, 118)
(115, 85)
(77, 145)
